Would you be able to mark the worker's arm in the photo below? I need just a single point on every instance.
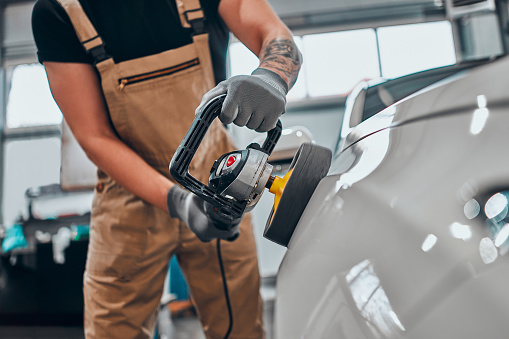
(77, 91)
(257, 100)
(256, 25)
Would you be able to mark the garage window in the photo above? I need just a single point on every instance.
(335, 62)
(29, 100)
(409, 49)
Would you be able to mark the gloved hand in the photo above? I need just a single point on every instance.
(256, 101)
(206, 222)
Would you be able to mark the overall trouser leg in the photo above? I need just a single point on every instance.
(130, 245)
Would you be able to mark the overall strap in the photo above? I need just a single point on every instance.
(85, 30)
(192, 15)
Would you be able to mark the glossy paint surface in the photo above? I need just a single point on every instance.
(398, 241)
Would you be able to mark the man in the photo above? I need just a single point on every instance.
(128, 76)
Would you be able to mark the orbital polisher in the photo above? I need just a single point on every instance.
(238, 179)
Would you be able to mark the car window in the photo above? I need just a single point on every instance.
(376, 95)
(385, 94)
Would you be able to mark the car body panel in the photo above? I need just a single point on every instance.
(385, 248)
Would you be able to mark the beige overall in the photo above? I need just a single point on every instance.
(151, 103)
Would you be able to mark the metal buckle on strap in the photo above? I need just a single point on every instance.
(197, 25)
(98, 53)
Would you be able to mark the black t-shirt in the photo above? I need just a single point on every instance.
(130, 29)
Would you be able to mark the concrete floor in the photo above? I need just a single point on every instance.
(190, 328)
(179, 328)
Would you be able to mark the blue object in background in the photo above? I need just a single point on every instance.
(178, 285)
(15, 238)
(178, 288)
(80, 232)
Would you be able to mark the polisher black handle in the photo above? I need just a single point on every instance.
(179, 166)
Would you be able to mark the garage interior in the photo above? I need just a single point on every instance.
(47, 181)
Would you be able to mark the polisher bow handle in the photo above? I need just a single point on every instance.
(179, 166)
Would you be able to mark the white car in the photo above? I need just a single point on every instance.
(406, 237)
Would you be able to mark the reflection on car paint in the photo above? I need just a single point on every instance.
(366, 294)
(487, 250)
(381, 121)
(460, 231)
(356, 162)
(480, 116)
(429, 242)
(362, 162)
(496, 207)
(502, 236)
(496, 213)
(372, 302)
(471, 209)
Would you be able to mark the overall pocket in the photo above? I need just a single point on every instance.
(123, 82)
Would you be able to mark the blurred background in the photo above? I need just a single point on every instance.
(46, 181)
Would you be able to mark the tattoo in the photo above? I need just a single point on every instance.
(282, 56)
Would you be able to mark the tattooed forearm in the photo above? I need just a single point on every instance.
(282, 56)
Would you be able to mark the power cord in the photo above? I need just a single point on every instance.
(225, 287)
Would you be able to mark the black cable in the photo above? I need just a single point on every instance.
(225, 286)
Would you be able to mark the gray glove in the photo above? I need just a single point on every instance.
(256, 101)
(204, 221)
